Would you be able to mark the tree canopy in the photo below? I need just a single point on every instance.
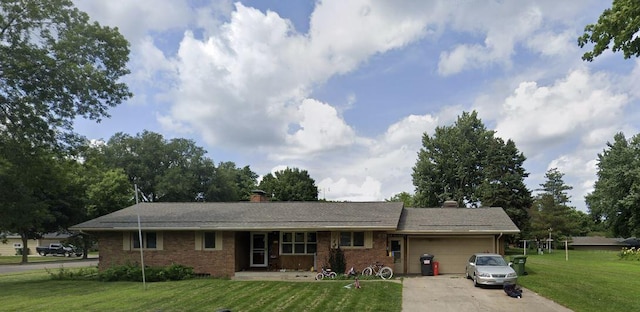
(55, 66)
(615, 200)
(465, 162)
(40, 191)
(551, 210)
(175, 170)
(290, 185)
(618, 29)
(404, 197)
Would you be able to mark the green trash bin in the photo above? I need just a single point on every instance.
(517, 263)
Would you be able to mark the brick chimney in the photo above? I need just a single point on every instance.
(258, 196)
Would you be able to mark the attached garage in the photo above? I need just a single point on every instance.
(451, 252)
(452, 235)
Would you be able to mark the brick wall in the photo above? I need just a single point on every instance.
(178, 247)
(358, 258)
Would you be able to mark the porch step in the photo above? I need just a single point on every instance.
(270, 276)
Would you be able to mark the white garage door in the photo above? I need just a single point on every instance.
(451, 253)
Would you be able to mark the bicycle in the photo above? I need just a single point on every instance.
(378, 269)
(326, 273)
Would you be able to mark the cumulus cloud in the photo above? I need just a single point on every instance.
(248, 84)
(135, 19)
(549, 115)
(503, 26)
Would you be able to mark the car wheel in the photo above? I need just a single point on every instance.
(475, 281)
(466, 274)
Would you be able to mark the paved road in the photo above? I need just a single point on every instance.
(49, 265)
(456, 294)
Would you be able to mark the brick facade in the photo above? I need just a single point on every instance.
(358, 258)
(178, 247)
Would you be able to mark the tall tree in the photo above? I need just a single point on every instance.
(39, 193)
(55, 65)
(465, 162)
(615, 200)
(231, 184)
(290, 185)
(163, 170)
(619, 25)
(551, 212)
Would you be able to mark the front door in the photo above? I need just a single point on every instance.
(397, 252)
(258, 249)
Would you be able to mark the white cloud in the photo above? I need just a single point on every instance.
(343, 190)
(135, 19)
(500, 27)
(247, 84)
(549, 115)
(321, 129)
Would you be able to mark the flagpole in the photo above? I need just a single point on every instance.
(144, 282)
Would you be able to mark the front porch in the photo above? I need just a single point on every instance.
(275, 276)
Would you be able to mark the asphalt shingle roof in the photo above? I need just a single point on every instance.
(456, 220)
(251, 216)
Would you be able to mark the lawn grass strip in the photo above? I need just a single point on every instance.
(589, 281)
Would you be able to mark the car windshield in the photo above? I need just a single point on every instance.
(491, 261)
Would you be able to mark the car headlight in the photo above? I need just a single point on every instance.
(512, 274)
(484, 274)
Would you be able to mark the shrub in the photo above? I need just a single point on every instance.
(133, 273)
(632, 254)
(337, 261)
(66, 274)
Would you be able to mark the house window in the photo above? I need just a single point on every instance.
(209, 240)
(298, 242)
(351, 239)
(149, 240)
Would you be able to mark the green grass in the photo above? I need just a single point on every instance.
(34, 291)
(588, 281)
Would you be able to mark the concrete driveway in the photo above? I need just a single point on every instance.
(456, 293)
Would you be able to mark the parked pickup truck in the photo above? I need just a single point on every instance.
(59, 250)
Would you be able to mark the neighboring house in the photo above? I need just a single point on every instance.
(14, 242)
(597, 243)
(223, 238)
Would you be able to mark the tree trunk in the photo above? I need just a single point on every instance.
(25, 248)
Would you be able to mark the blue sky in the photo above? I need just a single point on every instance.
(345, 89)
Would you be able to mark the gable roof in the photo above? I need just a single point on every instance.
(456, 220)
(251, 216)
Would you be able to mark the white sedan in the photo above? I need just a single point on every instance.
(489, 269)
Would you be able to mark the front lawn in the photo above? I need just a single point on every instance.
(33, 291)
(588, 281)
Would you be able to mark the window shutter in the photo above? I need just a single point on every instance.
(368, 239)
(126, 241)
(159, 241)
(198, 240)
(218, 240)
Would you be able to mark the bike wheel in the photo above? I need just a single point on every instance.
(319, 276)
(367, 271)
(386, 273)
(333, 275)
